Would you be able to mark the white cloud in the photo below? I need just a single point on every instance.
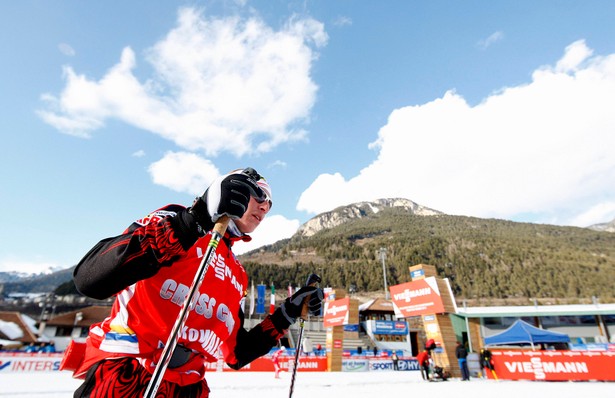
(228, 84)
(599, 213)
(183, 172)
(28, 266)
(279, 164)
(342, 21)
(575, 54)
(139, 154)
(272, 229)
(539, 149)
(493, 38)
(66, 49)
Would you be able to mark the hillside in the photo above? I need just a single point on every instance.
(487, 260)
(42, 283)
(484, 258)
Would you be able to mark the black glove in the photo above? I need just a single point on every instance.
(291, 308)
(228, 195)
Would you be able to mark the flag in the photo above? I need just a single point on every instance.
(260, 302)
(252, 300)
(272, 304)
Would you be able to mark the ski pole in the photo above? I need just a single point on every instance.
(495, 376)
(313, 280)
(216, 234)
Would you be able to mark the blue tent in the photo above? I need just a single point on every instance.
(523, 333)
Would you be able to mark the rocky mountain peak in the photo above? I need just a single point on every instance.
(606, 227)
(353, 211)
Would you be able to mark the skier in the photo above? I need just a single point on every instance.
(276, 361)
(487, 363)
(150, 269)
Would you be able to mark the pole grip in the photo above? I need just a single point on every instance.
(306, 301)
(221, 225)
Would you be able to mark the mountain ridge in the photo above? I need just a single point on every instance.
(483, 258)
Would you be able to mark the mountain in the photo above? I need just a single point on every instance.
(344, 214)
(606, 227)
(39, 283)
(483, 258)
(12, 276)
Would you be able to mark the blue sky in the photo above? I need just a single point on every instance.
(492, 109)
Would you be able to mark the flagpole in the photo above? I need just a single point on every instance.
(252, 300)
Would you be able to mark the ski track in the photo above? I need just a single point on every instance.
(323, 384)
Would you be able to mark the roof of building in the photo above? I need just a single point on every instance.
(377, 305)
(537, 310)
(382, 305)
(81, 317)
(23, 322)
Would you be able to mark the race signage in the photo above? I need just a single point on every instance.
(419, 297)
(376, 365)
(29, 362)
(336, 312)
(265, 364)
(391, 327)
(554, 365)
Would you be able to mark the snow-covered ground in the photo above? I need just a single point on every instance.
(325, 384)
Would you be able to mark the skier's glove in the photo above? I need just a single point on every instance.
(228, 195)
(291, 308)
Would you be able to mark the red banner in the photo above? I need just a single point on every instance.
(336, 312)
(265, 364)
(554, 365)
(42, 362)
(420, 297)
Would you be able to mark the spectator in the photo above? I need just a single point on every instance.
(423, 358)
(49, 347)
(307, 346)
(461, 353)
(395, 359)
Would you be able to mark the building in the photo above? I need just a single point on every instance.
(16, 329)
(584, 323)
(73, 325)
